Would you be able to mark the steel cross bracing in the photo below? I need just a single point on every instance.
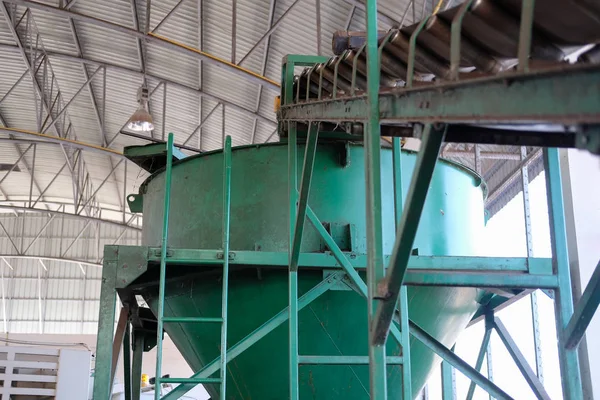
(468, 104)
(53, 115)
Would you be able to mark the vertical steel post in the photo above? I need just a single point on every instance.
(296, 234)
(529, 241)
(106, 326)
(136, 365)
(403, 301)
(489, 365)
(375, 266)
(293, 275)
(226, 221)
(163, 267)
(127, 362)
(448, 387)
(563, 302)
(389, 289)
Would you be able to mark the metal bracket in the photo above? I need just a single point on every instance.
(136, 203)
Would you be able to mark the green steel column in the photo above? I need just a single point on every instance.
(407, 230)
(163, 267)
(293, 274)
(375, 267)
(127, 362)
(403, 306)
(448, 389)
(563, 301)
(405, 332)
(300, 217)
(226, 220)
(106, 326)
(136, 365)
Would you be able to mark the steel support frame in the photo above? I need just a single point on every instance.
(403, 108)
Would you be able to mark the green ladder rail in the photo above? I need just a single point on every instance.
(161, 319)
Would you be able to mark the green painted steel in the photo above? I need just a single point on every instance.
(375, 267)
(334, 324)
(563, 301)
(584, 311)
(407, 230)
(474, 101)
(163, 263)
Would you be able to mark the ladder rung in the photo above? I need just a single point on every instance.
(190, 380)
(345, 360)
(187, 261)
(192, 319)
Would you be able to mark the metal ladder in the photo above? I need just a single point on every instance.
(224, 262)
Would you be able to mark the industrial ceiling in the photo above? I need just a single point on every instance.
(69, 74)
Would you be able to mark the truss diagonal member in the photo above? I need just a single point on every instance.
(307, 170)
(457, 362)
(153, 39)
(584, 311)
(407, 230)
(532, 380)
(76, 238)
(258, 334)
(270, 31)
(9, 238)
(64, 109)
(22, 154)
(14, 86)
(40, 233)
(344, 262)
(100, 186)
(479, 363)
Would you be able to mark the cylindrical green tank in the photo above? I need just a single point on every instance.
(335, 323)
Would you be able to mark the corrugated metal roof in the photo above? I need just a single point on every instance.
(69, 292)
(65, 285)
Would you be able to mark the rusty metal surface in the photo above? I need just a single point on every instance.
(489, 45)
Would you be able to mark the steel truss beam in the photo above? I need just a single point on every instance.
(89, 61)
(48, 258)
(64, 214)
(474, 101)
(40, 91)
(39, 138)
(152, 39)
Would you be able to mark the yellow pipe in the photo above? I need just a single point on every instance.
(59, 139)
(437, 8)
(215, 58)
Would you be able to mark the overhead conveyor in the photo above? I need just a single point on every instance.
(474, 64)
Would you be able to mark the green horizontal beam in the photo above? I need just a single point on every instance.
(345, 360)
(542, 266)
(481, 279)
(195, 381)
(192, 319)
(501, 98)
